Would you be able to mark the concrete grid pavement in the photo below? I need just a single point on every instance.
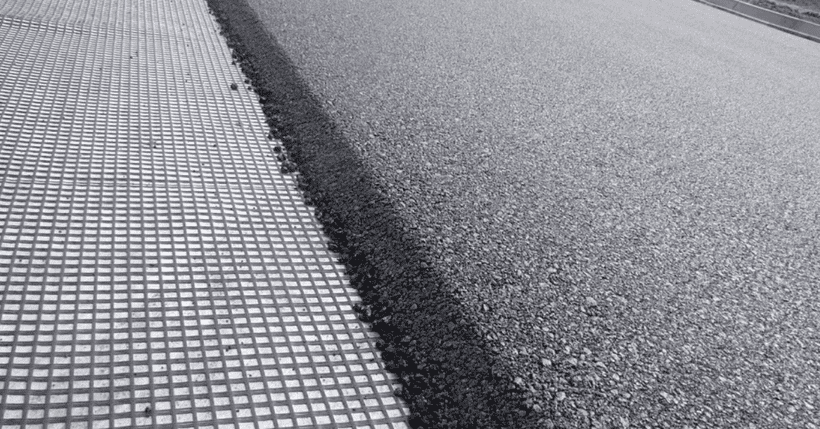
(156, 267)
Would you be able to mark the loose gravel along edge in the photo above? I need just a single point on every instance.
(451, 376)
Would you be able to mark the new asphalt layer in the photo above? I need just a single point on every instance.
(585, 214)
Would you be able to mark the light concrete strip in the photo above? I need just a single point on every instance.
(771, 18)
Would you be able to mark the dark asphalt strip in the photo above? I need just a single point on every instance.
(451, 377)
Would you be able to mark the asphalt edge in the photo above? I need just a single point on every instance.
(785, 23)
(451, 377)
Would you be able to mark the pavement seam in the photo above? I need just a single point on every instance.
(452, 377)
(798, 27)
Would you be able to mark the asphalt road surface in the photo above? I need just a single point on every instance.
(598, 213)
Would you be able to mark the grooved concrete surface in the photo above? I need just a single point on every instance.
(156, 268)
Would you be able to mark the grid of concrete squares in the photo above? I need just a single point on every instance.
(156, 268)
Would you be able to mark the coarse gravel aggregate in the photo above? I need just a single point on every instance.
(593, 214)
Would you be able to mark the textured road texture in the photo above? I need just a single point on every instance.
(562, 214)
(159, 267)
